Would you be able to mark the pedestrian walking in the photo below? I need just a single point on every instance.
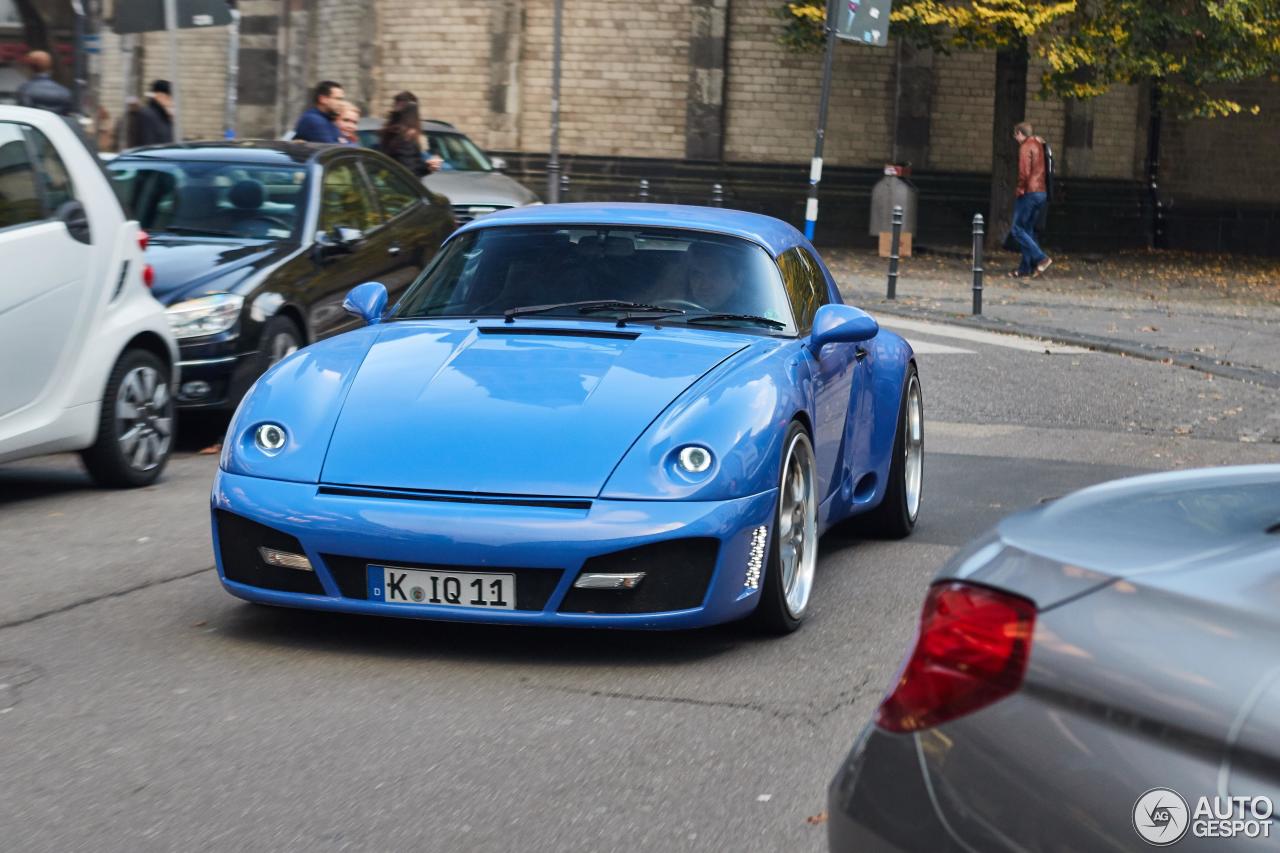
(42, 91)
(316, 124)
(1031, 201)
(401, 139)
(348, 121)
(155, 118)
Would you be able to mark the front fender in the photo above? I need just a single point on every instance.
(304, 394)
(739, 412)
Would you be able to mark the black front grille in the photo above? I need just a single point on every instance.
(238, 542)
(676, 575)
(533, 586)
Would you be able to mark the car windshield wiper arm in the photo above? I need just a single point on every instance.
(746, 318)
(211, 232)
(589, 306)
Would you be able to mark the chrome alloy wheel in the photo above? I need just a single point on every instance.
(797, 534)
(144, 418)
(913, 448)
(282, 345)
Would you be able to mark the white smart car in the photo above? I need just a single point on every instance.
(87, 361)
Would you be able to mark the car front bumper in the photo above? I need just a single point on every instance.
(214, 382)
(544, 546)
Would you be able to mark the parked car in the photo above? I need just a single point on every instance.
(473, 181)
(86, 356)
(607, 415)
(255, 244)
(1083, 676)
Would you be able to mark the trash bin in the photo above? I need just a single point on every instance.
(893, 190)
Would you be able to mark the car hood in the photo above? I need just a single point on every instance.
(543, 409)
(1212, 534)
(187, 268)
(479, 188)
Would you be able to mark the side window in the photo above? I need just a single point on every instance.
(344, 201)
(394, 192)
(51, 171)
(19, 199)
(806, 286)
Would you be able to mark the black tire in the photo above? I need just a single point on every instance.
(115, 460)
(772, 615)
(280, 337)
(893, 519)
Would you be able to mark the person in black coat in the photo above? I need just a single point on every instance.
(154, 122)
(402, 139)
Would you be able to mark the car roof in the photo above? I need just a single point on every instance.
(433, 125)
(773, 234)
(267, 152)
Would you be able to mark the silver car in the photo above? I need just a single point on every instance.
(472, 181)
(1099, 673)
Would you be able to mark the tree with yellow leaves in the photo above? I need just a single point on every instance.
(1182, 48)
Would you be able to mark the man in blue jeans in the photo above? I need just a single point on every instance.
(1031, 200)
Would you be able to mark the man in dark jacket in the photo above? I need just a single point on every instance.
(155, 124)
(1031, 200)
(42, 91)
(316, 124)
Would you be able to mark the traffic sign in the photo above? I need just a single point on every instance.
(145, 16)
(865, 21)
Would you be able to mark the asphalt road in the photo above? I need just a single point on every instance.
(141, 708)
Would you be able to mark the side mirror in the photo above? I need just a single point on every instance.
(72, 215)
(366, 301)
(841, 324)
(498, 164)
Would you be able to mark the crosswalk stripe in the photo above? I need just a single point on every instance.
(905, 326)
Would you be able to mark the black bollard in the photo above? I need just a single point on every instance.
(977, 263)
(564, 187)
(717, 195)
(894, 247)
(643, 193)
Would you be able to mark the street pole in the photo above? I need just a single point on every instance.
(894, 256)
(78, 63)
(233, 74)
(815, 167)
(553, 158)
(978, 240)
(171, 24)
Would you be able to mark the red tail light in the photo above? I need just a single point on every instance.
(148, 275)
(972, 650)
(143, 239)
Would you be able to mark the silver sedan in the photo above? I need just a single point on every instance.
(1099, 673)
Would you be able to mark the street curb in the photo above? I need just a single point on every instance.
(1191, 361)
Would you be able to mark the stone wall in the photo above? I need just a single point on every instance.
(1228, 158)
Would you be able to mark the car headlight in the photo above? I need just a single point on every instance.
(270, 438)
(207, 315)
(694, 459)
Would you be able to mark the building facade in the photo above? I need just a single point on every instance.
(689, 93)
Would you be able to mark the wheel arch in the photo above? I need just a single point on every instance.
(295, 315)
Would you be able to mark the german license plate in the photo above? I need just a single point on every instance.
(445, 589)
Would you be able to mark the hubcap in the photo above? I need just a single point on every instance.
(144, 418)
(282, 345)
(913, 448)
(797, 536)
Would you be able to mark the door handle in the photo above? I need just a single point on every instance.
(394, 249)
(859, 353)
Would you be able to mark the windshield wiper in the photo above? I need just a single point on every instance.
(589, 306)
(209, 232)
(746, 318)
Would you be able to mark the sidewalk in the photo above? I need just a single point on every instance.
(1207, 313)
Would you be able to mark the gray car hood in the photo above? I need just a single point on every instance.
(1211, 534)
(479, 188)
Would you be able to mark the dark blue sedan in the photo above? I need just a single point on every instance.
(594, 415)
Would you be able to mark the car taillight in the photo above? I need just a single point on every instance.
(971, 650)
(148, 275)
(143, 239)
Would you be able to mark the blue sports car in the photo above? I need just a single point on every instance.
(597, 415)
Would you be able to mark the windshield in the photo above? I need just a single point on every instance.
(458, 152)
(491, 271)
(207, 199)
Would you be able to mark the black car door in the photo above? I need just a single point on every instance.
(415, 222)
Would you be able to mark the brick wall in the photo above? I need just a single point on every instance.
(1228, 158)
(625, 78)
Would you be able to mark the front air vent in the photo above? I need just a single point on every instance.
(559, 332)
(452, 497)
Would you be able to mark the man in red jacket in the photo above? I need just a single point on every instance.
(1032, 198)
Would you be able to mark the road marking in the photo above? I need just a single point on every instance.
(978, 336)
(923, 347)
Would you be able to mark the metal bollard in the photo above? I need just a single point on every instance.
(977, 262)
(564, 187)
(894, 251)
(717, 195)
(643, 193)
